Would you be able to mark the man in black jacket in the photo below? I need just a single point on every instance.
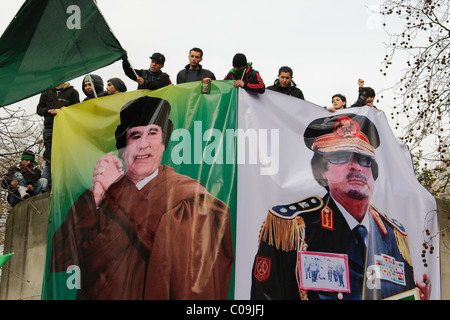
(285, 84)
(152, 78)
(49, 103)
(366, 95)
(194, 70)
(246, 77)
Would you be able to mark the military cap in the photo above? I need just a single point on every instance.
(342, 133)
(143, 112)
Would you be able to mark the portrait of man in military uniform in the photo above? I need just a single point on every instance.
(343, 223)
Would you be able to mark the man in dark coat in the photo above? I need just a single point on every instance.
(285, 84)
(50, 102)
(194, 70)
(153, 78)
(366, 96)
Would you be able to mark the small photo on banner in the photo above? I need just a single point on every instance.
(323, 271)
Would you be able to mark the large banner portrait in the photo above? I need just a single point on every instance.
(144, 196)
(175, 194)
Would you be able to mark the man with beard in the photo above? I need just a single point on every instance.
(342, 224)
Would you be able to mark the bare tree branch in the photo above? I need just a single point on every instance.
(422, 95)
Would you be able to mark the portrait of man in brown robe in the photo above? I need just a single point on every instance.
(145, 232)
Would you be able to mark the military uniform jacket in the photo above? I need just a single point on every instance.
(317, 225)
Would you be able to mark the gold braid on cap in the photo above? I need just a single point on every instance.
(346, 136)
(328, 143)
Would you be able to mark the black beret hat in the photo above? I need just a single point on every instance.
(239, 60)
(142, 112)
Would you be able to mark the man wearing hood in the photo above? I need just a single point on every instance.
(246, 77)
(98, 86)
(285, 84)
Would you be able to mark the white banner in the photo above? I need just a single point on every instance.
(275, 170)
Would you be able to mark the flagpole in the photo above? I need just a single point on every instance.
(243, 74)
(92, 85)
(132, 69)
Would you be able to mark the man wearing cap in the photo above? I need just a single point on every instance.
(146, 232)
(342, 224)
(23, 180)
(246, 77)
(153, 78)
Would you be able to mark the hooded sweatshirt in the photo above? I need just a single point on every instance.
(98, 86)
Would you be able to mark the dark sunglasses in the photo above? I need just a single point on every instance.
(345, 157)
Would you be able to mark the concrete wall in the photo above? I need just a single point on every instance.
(444, 246)
(26, 236)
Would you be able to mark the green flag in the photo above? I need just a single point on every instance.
(50, 42)
(4, 258)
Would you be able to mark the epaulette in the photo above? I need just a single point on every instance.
(284, 227)
(394, 223)
(290, 211)
(399, 231)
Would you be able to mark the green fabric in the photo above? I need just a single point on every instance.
(4, 258)
(50, 42)
(200, 146)
(25, 157)
(240, 72)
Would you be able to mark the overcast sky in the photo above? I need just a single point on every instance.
(329, 44)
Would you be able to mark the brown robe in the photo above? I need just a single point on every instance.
(170, 240)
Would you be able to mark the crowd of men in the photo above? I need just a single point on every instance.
(243, 73)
